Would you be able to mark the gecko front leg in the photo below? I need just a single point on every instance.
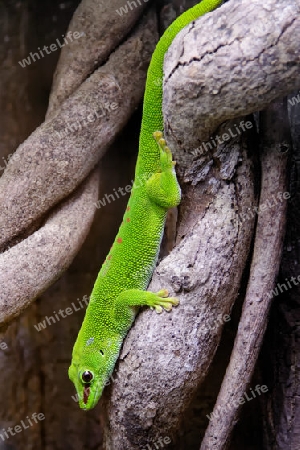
(127, 302)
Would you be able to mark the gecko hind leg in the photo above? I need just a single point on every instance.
(162, 187)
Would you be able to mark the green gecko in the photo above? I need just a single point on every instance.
(120, 287)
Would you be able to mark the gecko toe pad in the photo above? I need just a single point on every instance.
(166, 154)
(163, 302)
(163, 293)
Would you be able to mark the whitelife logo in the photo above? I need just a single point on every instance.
(23, 426)
(53, 47)
(239, 401)
(63, 313)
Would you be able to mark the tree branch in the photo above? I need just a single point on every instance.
(278, 359)
(47, 167)
(165, 357)
(53, 161)
(28, 268)
(232, 62)
(163, 361)
(264, 269)
(103, 30)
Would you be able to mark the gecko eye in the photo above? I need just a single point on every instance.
(87, 376)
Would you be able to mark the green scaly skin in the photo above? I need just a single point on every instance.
(121, 284)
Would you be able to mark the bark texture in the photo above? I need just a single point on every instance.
(269, 235)
(42, 385)
(102, 29)
(279, 359)
(156, 399)
(165, 357)
(232, 62)
(55, 159)
(24, 273)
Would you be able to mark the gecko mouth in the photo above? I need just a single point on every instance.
(86, 393)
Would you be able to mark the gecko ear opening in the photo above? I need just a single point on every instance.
(87, 376)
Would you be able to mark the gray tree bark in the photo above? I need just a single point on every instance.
(278, 361)
(194, 106)
(47, 168)
(42, 385)
(164, 358)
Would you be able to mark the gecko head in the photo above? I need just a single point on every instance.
(91, 368)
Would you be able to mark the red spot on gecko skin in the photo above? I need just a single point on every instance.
(119, 240)
(109, 257)
(86, 393)
(127, 220)
(128, 208)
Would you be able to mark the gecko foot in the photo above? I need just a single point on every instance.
(166, 154)
(162, 301)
